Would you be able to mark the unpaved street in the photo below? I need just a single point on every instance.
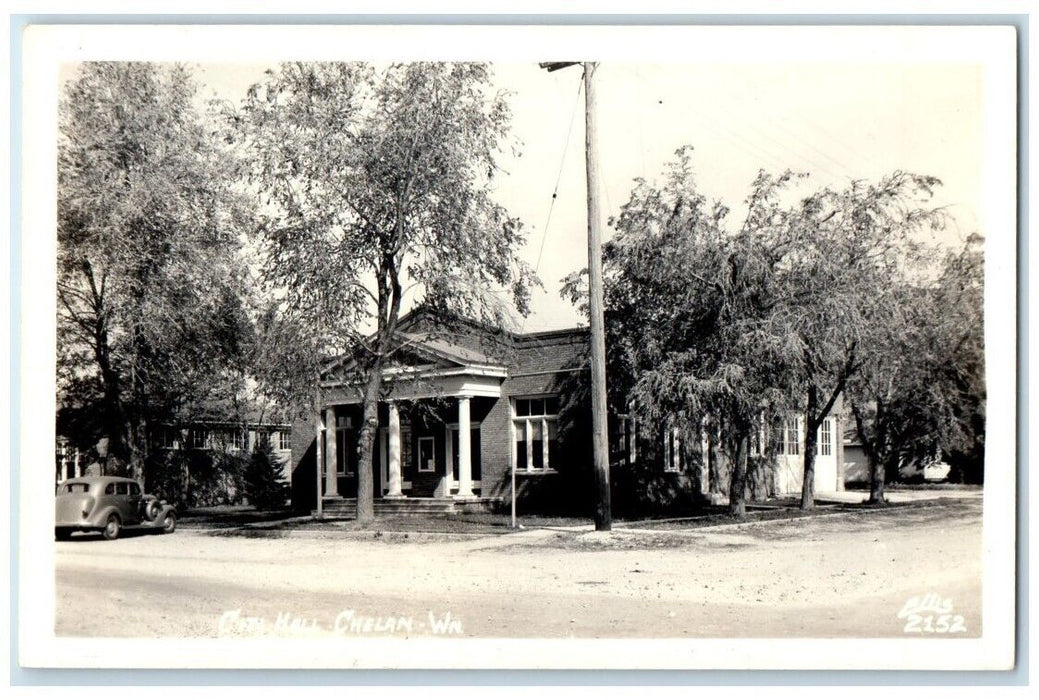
(846, 575)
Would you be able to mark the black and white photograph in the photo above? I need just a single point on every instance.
(416, 347)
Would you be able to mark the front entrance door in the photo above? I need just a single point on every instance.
(451, 438)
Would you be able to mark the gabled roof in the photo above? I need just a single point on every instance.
(451, 342)
(443, 348)
(428, 348)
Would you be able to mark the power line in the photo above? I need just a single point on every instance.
(555, 190)
(559, 175)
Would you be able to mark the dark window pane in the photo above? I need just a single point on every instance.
(342, 458)
(350, 451)
(552, 439)
(522, 407)
(477, 472)
(109, 489)
(405, 447)
(552, 405)
(539, 455)
(120, 489)
(521, 454)
(425, 455)
(135, 490)
(454, 454)
(537, 407)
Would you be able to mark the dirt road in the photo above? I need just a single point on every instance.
(824, 577)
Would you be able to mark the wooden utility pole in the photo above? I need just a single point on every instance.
(600, 448)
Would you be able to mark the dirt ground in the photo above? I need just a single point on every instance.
(840, 575)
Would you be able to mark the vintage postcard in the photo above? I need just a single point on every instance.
(414, 347)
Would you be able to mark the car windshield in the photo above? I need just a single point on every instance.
(77, 488)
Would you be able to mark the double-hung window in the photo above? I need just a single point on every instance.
(826, 437)
(346, 446)
(790, 437)
(535, 423)
(672, 450)
(200, 439)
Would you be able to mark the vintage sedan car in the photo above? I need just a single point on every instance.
(108, 504)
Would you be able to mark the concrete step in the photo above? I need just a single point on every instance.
(347, 507)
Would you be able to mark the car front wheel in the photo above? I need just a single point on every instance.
(111, 530)
(169, 523)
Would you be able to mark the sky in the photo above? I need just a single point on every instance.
(836, 121)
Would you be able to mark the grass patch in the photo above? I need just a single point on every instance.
(248, 522)
(933, 486)
(230, 516)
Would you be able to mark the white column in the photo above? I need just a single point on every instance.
(76, 472)
(331, 480)
(465, 463)
(393, 453)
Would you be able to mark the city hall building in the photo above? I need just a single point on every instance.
(463, 407)
(468, 412)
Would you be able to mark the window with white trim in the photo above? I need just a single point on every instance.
(426, 454)
(672, 450)
(284, 440)
(826, 438)
(263, 438)
(622, 438)
(170, 438)
(346, 446)
(200, 439)
(790, 437)
(238, 439)
(535, 424)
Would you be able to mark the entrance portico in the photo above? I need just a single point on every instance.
(469, 417)
(428, 421)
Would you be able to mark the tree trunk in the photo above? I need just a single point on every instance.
(811, 438)
(366, 438)
(876, 481)
(138, 448)
(873, 444)
(388, 298)
(738, 480)
(115, 426)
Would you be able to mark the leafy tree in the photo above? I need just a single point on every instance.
(921, 388)
(688, 303)
(376, 181)
(775, 316)
(960, 333)
(149, 279)
(846, 254)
